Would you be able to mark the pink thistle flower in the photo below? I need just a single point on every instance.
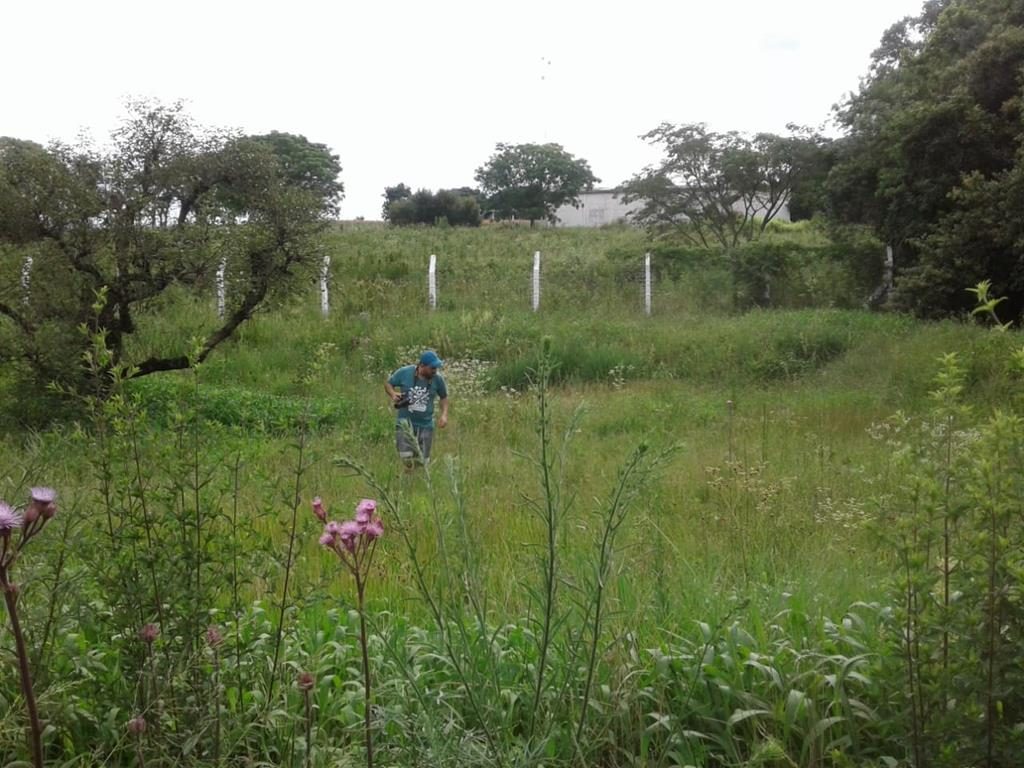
(350, 529)
(365, 510)
(374, 529)
(137, 726)
(349, 532)
(43, 495)
(333, 528)
(9, 519)
(149, 633)
(318, 509)
(306, 681)
(327, 540)
(214, 638)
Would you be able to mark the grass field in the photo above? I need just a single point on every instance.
(750, 556)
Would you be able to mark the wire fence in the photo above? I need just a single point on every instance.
(637, 283)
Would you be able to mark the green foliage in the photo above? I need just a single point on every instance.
(393, 195)
(933, 155)
(727, 635)
(738, 609)
(987, 304)
(235, 407)
(531, 181)
(721, 188)
(958, 547)
(306, 165)
(760, 348)
(454, 208)
(164, 206)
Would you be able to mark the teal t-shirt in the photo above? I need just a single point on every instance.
(422, 392)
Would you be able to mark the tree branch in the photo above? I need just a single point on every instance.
(222, 334)
(20, 320)
(257, 292)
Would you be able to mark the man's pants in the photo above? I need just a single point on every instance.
(407, 450)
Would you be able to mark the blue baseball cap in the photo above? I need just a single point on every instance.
(431, 360)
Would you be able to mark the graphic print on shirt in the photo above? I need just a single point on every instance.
(419, 399)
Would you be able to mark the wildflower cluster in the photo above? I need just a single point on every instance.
(847, 513)
(468, 377)
(353, 539)
(354, 542)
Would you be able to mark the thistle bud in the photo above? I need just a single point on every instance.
(43, 503)
(149, 633)
(318, 509)
(214, 638)
(32, 513)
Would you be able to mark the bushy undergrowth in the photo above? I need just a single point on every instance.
(235, 407)
(180, 589)
(789, 589)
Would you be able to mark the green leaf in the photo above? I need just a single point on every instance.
(742, 715)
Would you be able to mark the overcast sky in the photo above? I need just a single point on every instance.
(420, 92)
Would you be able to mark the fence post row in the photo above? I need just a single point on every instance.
(325, 275)
(536, 281)
(432, 282)
(647, 283)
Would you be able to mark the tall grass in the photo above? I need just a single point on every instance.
(740, 617)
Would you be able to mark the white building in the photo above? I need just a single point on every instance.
(605, 206)
(597, 208)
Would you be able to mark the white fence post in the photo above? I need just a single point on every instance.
(222, 288)
(887, 276)
(536, 281)
(432, 281)
(26, 279)
(325, 296)
(647, 283)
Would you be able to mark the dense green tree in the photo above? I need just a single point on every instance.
(721, 189)
(306, 165)
(457, 207)
(933, 152)
(109, 232)
(393, 195)
(531, 181)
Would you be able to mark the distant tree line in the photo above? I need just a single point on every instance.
(454, 207)
(521, 181)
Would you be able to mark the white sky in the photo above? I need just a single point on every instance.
(420, 92)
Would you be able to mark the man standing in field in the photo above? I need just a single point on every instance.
(412, 390)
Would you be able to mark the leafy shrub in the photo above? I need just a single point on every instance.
(955, 538)
(236, 407)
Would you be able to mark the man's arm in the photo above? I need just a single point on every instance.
(393, 393)
(442, 420)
